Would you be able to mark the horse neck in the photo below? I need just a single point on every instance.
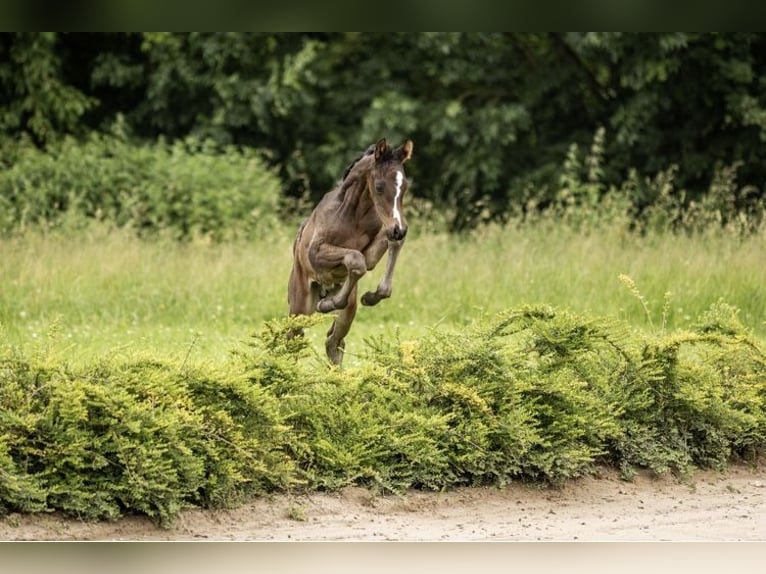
(355, 197)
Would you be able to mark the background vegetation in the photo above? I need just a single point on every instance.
(493, 116)
(582, 284)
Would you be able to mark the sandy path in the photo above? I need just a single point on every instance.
(710, 506)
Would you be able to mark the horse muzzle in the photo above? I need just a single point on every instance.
(397, 232)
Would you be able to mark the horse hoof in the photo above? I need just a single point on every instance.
(370, 298)
(334, 353)
(325, 306)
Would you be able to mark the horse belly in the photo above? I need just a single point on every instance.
(331, 279)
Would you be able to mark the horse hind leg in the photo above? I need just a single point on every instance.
(335, 342)
(302, 297)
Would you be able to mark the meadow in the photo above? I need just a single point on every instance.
(108, 293)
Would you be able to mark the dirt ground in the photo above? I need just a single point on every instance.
(729, 506)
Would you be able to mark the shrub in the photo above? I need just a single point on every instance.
(141, 437)
(533, 393)
(185, 189)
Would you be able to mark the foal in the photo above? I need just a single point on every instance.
(346, 235)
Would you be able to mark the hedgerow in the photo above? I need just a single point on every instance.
(534, 393)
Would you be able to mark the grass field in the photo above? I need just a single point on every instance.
(108, 293)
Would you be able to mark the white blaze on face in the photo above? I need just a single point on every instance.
(397, 214)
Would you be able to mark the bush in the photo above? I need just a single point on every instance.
(533, 393)
(185, 189)
(135, 437)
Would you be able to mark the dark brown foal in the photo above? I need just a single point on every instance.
(346, 235)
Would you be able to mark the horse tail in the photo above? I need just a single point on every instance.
(299, 234)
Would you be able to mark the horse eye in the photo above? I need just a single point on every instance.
(379, 186)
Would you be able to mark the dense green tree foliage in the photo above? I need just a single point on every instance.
(494, 116)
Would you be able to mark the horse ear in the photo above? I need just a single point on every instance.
(404, 152)
(380, 149)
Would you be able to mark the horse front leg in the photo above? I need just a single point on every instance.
(385, 287)
(329, 257)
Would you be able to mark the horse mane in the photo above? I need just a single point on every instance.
(370, 150)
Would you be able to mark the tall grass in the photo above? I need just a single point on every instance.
(502, 267)
(106, 292)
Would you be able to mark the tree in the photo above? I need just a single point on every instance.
(695, 101)
(494, 116)
(34, 97)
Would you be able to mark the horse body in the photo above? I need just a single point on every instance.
(346, 235)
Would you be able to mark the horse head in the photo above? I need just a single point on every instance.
(387, 186)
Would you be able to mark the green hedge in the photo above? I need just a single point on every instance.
(185, 189)
(533, 393)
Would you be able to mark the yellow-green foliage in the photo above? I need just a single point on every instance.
(142, 436)
(534, 393)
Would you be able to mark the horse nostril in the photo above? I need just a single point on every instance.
(397, 233)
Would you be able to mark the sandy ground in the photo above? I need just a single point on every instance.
(729, 506)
